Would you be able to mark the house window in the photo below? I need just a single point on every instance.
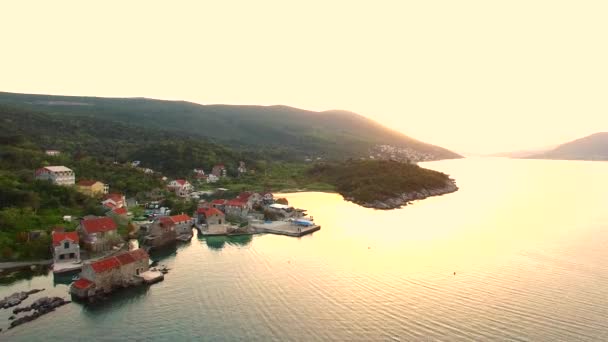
(66, 245)
(62, 256)
(72, 255)
(220, 220)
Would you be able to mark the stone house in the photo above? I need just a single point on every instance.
(183, 224)
(166, 229)
(98, 234)
(92, 187)
(107, 274)
(59, 175)
(236, 208)
(66, 247)
(251, 199)
(210, 216)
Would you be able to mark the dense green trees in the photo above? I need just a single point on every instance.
(369, 180)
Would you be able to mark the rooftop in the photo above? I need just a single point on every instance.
(58, 237)
(87, 182)
(97, 225)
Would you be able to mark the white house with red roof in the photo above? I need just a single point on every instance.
(113, 201)
(59, 175)
(66, 247)
(98, 234)
(181, 187)
(105, 275)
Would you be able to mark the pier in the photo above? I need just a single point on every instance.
(288, 228)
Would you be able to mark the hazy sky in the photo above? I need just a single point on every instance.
(473, 76)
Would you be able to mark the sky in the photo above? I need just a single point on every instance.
(472, 76)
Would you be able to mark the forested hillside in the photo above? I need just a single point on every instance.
(280, 132)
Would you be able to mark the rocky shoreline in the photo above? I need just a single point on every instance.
(405, 198)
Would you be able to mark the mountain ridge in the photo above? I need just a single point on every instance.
(591, 147)
(298, 132)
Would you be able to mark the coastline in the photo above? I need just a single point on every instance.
(405, 198)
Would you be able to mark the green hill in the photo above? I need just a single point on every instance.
(279, 131)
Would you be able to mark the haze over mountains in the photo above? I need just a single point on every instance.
(592, 147)
(281, 130)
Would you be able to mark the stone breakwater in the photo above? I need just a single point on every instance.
(405, 198)
(16, 298)
(42, 306)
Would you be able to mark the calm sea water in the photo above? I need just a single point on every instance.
(528, 241)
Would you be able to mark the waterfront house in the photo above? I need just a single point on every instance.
(181, 187)
(66, 247)
(92, 187)
(113, 201)
(167, 229)
(98, 234)
(183, 224)
(210, 216)
(105, 275)
(59, 175)
(236, 208)
(219, 171)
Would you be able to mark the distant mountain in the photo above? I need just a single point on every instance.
(520, 154)
(281, 131)
(593, 147)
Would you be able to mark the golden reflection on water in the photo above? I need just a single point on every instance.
(502, 207)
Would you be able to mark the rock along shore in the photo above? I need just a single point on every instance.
(405, 198)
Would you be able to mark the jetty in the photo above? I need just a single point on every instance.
(290, 227)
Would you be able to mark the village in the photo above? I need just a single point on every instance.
(107, 260)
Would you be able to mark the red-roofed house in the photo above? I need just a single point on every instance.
(113, 201)
(66, 247)
(105, 275)
(98, 234)
(167, 229)
(210, 216)
(237, 207)
(251, 198)
(219, 204)
(181, 187)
